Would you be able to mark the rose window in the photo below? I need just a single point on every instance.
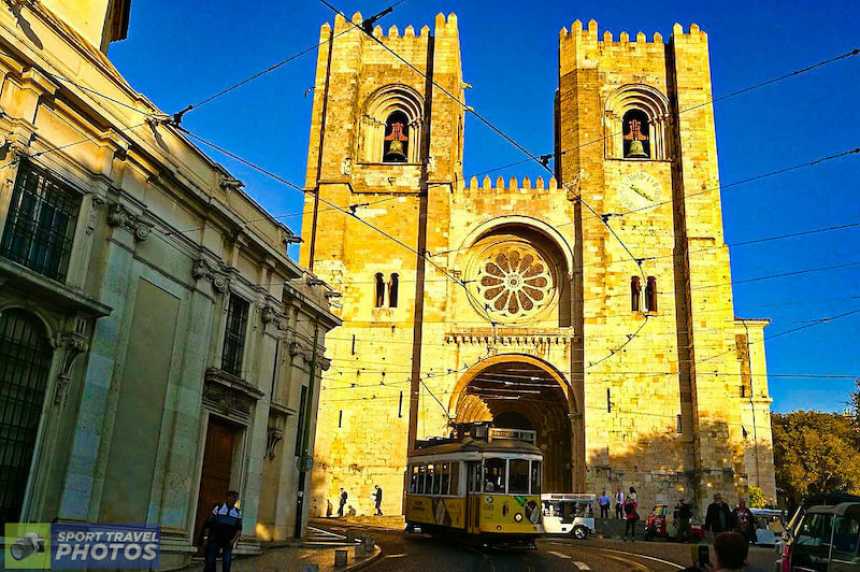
(514, 280)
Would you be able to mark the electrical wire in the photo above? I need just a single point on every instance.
(353, 215)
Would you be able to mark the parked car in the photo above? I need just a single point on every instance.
(769, 527)
(826, 539)
(565, 513)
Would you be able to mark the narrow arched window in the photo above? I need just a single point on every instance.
(396, 143)
(637, 135)
(651, 294)
(380, 290)
(635, 293)
(392, 290)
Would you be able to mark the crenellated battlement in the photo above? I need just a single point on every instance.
(444, 26)
(583, 46)
(513, 184)
(589, 33)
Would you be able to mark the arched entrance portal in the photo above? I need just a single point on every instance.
(522, 392)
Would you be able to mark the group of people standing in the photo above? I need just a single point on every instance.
(343, 498)
(626, 507)
(719, 517)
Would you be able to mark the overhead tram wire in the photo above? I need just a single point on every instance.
(783, 170)
(498, 131)
(469, 109)
(294, 186)
(809, 324)
(843, 56)
(765, 175)
(275, 66)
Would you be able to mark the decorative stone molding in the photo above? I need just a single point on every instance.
(228, 183)
(74, 344)
(119, 216)
(221, 282)
(346, 166)
(229, 394)
(201, 270)
(92, 219)
(268, 315)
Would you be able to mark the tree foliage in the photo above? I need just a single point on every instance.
(756, 497)
(815, 452)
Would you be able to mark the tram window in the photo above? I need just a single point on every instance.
(494, 475)
(438, 477)
(474, 477)
(518, 476)
(444, 478)
(413, 479)
(536, 477)
(431, 477)
(422, 479)
(455, 478)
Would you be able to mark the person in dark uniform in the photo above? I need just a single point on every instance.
(342, 502)
(377, 499)
(225, 527)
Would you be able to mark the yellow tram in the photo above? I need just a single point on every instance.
(485, 484)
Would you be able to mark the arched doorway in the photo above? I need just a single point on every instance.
(25, 363)
(522, 392)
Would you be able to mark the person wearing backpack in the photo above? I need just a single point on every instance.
(631, 517)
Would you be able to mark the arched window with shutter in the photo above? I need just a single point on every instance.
(380, 290)
(651, 294)
(393, 287)
(635, 293)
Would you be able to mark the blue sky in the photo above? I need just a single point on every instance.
(180, 52)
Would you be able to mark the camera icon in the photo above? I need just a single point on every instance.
(27, 545)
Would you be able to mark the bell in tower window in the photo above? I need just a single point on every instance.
(396, 138)
(636, 141)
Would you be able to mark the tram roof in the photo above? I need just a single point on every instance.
(476, 446)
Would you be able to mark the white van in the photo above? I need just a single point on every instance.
(568, 513)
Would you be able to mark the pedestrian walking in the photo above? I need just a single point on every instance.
(742, 518)
(631, 517)
(342, 502)
(619, 503)
(225, 527)
(377, 499)
(683, 516)
(603, 503)
(718, 517)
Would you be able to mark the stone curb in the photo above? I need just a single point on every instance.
(377, 554)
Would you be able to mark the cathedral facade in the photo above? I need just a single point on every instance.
(593, 306)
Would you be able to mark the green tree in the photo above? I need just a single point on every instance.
(756, 497)
(815, 452)
(855, 404)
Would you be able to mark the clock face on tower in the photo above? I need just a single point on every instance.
(639, 190)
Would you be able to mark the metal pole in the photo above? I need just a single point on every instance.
(305, 459)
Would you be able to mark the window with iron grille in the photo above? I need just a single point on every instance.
(40, 227)
(25, 363)
(234, 335)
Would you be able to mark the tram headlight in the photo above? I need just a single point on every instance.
(518, 517)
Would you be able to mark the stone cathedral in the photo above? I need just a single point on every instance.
(593, 307)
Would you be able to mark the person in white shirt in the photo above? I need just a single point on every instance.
(225, 528)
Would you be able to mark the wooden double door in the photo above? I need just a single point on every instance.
(223, 440)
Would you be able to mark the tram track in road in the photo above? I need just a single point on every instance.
(627, 560)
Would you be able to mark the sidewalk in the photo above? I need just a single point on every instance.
(315, 553)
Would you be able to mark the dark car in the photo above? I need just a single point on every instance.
(826, 539)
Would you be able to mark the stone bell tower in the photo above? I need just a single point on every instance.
(388, 148)
(659, 364)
